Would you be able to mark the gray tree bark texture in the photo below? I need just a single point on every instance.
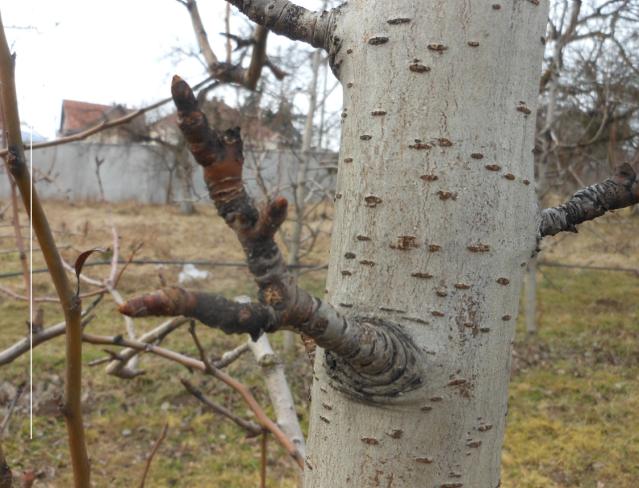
(435, 220)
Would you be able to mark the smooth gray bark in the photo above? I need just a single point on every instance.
(435, 220)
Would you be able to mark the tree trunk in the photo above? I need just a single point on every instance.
(435, 221)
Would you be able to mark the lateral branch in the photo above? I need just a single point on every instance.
(290, 20)
(377, 356)
(619, 191)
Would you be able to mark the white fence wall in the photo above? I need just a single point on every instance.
(142, 173)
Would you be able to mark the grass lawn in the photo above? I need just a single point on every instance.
(574, 400)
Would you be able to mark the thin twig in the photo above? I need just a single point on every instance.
(137, 247)
(12, 406)
(19, 239)
(118, 366)
(9, 292)
(132, 366)
(103, 125)
(70, 303)
(115, 248)
(82, 276)
(25, 344)
(194, 364)
(231, 356)
(149, 460)
(251, 428)
(248, 397)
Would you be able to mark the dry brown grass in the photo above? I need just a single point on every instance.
(575, 388)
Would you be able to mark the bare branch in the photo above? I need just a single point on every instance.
(25, 298)
(619, 191)
(258, 58)
(12, 406)
(251, 428)
(26, 275)
(200, 33)
(22, 346)
(231, 356)
(279, 73)
(290, 20)
(126, 264)
(82, 276)
(103, 125)
(131, 367)
(262, 418)
(118, 367)
(149, 460)
(226, 71)
(278, 390)
(208, 368)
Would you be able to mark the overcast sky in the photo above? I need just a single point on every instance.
(115, 51)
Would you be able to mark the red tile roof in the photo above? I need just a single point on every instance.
(78, 116)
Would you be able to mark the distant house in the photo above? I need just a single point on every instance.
(79, 116)
(269, 131)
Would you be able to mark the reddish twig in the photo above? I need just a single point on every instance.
(149, 459)
(194, 364)
(248, 397)
(135, 250)
(251, 428)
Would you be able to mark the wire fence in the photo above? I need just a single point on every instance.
(316, 266)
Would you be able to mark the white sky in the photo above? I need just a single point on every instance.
(99, 51)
